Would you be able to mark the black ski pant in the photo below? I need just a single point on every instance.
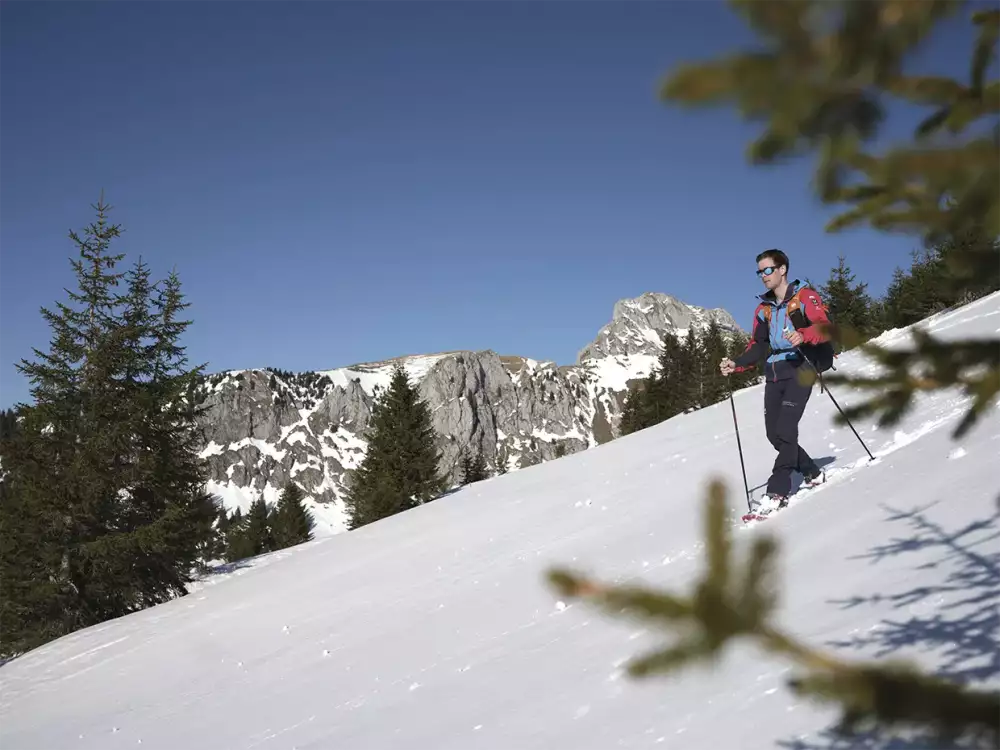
(784, 404)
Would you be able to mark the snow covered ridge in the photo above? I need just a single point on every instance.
(435, 628)
(266, 427)
(636, 323)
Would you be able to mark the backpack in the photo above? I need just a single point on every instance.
(820, 355)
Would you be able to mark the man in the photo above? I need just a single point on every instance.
(785, 328)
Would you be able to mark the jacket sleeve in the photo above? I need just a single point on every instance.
(812, 308)
(759, 345)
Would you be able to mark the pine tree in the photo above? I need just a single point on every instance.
(664, 393)
(239, 546)
(737, 345)
(850, 307)
(632, 411)
(8, 423)
(898, 301)
(714, 349)
(964, 283)
(258, 530)
(107, 509)
(691, 372)
(400, 467)
(9, 429)
(291, 523)
(222, 525)
(933, 288)
(915, 294)
(474, 468)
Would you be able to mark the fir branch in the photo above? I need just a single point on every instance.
(973, 365)
(821, 83)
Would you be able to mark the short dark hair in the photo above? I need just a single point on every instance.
(779, 258)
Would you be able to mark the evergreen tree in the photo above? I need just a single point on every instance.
(223, 522)
(936, 281)
(965, 284)
(931, 285)
(222, 525)
(899, 301)
(474, 468)
(8, 423)
(850, 307)
(632, 419)
(664, 393)
(257, 528)
(291, 523)
(106, 509)
(690, 375)
(238, 543)
(737, 345)
(9, 429)
(918, 293)
(714, 349)
(400, 467)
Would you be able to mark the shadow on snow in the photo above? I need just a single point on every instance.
(957, 618)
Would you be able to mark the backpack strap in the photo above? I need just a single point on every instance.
(798, 312)
(762, 308)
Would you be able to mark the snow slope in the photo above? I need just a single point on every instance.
(434, 629)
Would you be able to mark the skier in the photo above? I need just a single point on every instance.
(789, 348)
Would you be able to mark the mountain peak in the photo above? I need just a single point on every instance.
(264, 428)
(638, 323)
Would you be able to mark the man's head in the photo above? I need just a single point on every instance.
(772, 267)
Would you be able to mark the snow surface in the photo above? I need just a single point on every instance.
(329, 518)
(614, 371)
(434, 628)
(379, 375)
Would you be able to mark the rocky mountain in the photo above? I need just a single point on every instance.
(636, 325)
(266, 427)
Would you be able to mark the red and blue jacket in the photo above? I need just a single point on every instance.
(801, 309)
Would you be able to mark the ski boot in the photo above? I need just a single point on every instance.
(765, 506)
(814, 480)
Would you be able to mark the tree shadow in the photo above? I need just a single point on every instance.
(224, 568)
(828, 739)
(957, 617)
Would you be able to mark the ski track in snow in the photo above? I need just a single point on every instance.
(434, 628)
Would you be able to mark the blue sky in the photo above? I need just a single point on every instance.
(342, 182)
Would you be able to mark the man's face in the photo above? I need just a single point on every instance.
(770, 274)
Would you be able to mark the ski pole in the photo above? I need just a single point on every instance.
(823, 387)
(739, 446)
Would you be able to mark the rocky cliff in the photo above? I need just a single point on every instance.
(266, 427)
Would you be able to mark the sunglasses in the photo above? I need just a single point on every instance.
(766, 271)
